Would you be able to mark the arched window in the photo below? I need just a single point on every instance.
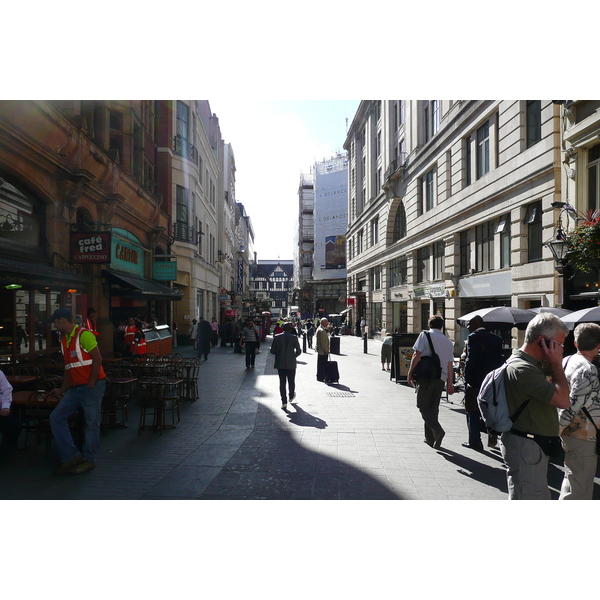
(399, 224)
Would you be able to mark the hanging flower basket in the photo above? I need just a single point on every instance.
(584, 243)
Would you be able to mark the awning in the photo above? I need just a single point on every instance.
(137, 287)
(25, 273)
(346, 310)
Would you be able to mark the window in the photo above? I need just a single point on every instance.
(359, 240)
(533, 220)
(593, 177)
(183, 118)
(423, 255)
(399, 224)
(435, 116)
(483, 150)
(438, 260)
(465, 253)
(468, 175)
(374, 231)
(534, 122)
(504, 230)
(398, 271)
(182, 209)
(484, 247)
(376, 278)
(428, 190)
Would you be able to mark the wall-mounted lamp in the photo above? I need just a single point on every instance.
(558, 245)
(13, 286)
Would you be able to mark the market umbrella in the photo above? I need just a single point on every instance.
(585, 315)
(559, 312)
(500, 316)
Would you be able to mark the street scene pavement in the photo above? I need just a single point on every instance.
(360, 439)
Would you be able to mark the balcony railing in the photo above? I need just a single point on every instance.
(395, 168)
(182, 147)
(184, 233)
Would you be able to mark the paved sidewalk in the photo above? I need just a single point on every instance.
(359, 439)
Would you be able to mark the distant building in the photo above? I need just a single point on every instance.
(320, 286)
(274, 279)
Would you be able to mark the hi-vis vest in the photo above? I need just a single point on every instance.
(141, 347)
(90, 325)
(129, 336)
(78, 364)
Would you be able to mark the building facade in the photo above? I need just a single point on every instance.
(450, 205)
(83, 221)
(304, 244)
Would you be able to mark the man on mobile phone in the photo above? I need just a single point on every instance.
(534, 436)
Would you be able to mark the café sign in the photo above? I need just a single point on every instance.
(91, 247)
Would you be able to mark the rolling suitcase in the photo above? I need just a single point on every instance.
(332, 375)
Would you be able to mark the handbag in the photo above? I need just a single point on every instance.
(428, 367)
(587, 414)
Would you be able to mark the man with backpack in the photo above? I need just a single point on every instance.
(534, 434)
(484, 354)
(432, 347)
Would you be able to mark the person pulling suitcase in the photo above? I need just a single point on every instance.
(322, 342)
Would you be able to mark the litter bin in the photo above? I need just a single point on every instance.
(334, 344)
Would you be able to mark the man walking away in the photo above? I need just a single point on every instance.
(286, 348)
(429, 391)
(322, 338)
(534, 435)
(484, 354)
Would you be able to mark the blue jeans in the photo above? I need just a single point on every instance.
(90, 400)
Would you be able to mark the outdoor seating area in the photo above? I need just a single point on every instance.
(153, 384)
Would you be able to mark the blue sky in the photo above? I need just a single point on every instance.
(274, 141)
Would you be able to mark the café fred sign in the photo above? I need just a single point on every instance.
(91, 247)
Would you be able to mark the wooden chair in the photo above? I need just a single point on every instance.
(46, 383)
(34, 371)
(150, 394)
(173, 393)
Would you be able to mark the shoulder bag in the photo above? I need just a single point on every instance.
(428, 367)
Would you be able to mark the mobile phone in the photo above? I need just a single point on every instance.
(548, 342)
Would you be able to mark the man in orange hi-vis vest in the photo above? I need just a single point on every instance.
(83, 387)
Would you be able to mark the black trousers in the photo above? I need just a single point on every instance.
(289, 376)
(10, 427)
(321, 362)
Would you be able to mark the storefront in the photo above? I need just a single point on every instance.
(133, 295)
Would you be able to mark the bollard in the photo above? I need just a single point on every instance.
(365, 338)
(304, 343)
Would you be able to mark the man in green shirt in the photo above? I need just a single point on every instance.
(526, 461)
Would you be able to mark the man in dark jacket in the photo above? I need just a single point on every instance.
(286, 348)
(484, 354)
(203, 334)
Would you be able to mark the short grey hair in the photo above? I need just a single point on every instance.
(545, 324)
(587, 336)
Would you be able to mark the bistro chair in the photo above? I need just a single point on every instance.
(46, 383)
(26, 371)
(173, 375)
(190, 368)
(36, 420)
(174, 356)
(150, 394)
(115, 397)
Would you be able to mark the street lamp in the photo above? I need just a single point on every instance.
(559, 246)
